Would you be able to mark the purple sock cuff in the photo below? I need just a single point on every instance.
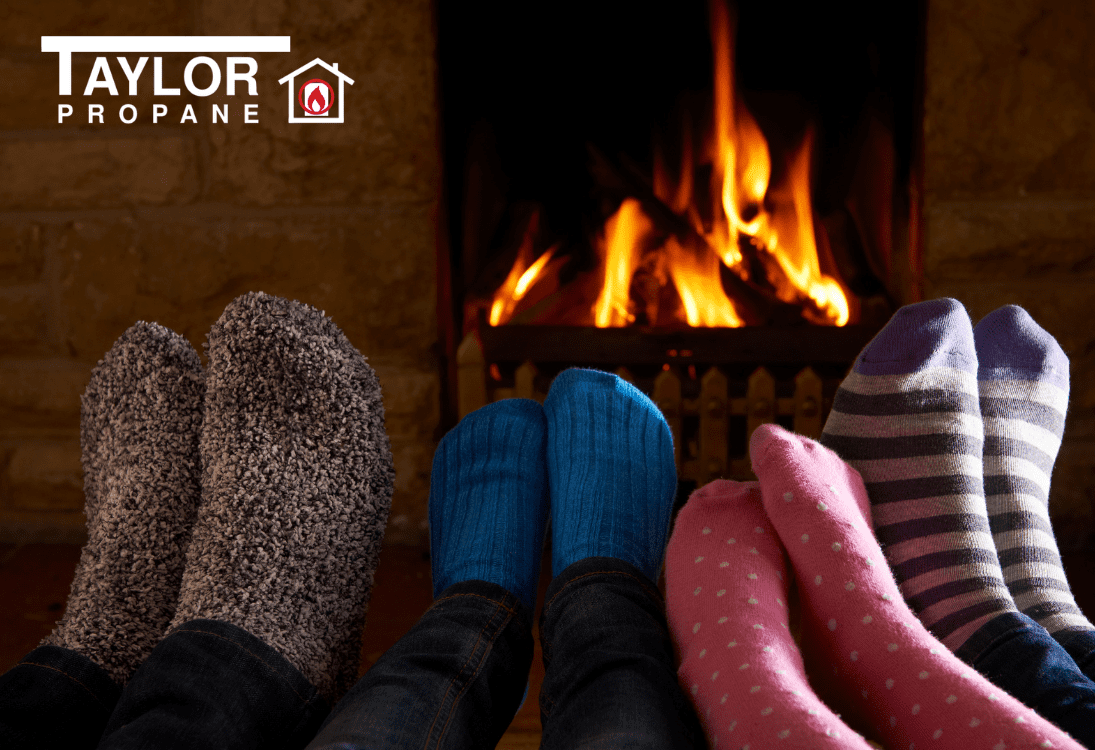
(936, 333)
(1011, 346)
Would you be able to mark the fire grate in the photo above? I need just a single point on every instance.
(714, 386)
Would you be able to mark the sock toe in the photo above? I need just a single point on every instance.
(936, 333)
(1011, 344)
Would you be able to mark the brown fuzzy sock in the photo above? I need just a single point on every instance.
(139, 427)
(297, 484)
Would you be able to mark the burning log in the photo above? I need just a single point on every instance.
(756, 305)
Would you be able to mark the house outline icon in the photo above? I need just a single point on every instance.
(342, 81)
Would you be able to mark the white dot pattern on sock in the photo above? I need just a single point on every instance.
(817, 580)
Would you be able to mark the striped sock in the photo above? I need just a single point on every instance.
(1023, 379)
(907, 418)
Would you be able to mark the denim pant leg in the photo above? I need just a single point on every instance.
(1017, 654)
(611, 680)
(55, 698)
(1080, 645)
(212, 684)
(455, 680)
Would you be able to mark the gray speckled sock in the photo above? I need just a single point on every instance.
(139, 426)
(297, 484)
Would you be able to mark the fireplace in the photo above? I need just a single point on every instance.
(719, 201)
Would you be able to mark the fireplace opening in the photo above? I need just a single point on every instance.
(671, 190)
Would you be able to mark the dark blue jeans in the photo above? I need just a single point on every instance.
(207, 684)
(1017, 654)
(1080, 645)
(454, 680)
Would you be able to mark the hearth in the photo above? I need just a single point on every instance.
(719, 201)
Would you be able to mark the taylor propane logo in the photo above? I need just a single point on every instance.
(315, 100)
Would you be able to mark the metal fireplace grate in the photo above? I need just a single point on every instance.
(714, 386)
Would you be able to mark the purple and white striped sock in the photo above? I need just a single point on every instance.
(1022, 377)
(907, 418)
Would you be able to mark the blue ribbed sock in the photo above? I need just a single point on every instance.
(611, 472)
(488, 499)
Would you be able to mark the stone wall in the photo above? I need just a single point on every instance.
(103, 225)
(1009, 190)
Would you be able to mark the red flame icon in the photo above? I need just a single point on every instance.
(320, 97)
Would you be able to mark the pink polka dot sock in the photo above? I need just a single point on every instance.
(888, 672)
(726, 596)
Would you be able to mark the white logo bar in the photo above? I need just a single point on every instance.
(165, 44)
(66, 45)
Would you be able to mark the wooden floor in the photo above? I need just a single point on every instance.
(34, 583)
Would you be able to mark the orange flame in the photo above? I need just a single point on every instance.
(793, 246)
(700, 289)
(624, 232)
(520, 278)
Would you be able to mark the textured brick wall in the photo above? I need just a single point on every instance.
(103, 225)
(1010, 192)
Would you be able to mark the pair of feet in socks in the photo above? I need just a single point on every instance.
(727, 588)
(597, 458)
(955, 431)
(909, 417)
(255, 492)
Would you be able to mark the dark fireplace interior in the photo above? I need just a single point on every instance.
(554, 115)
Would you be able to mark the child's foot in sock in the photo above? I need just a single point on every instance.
(894, 676)
(1023, 380)
(610, 470)
(139, 424)
(907, 419)
(726, 599)
(297, 482)
(489, 499)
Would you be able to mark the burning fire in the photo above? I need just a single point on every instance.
(772, 223)
(521, 277)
